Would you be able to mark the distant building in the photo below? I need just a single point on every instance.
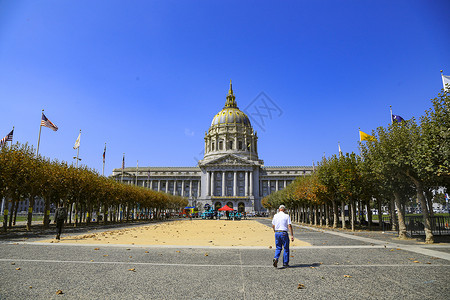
(230, 172)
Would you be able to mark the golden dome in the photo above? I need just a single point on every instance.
(230, 114)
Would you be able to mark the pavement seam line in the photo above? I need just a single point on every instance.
(415, 265)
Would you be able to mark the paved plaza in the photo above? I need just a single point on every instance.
(338, 265)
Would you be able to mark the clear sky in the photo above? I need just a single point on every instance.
(147, 77)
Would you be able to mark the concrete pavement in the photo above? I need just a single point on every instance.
(338, 265)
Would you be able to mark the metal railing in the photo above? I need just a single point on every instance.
(440, 225)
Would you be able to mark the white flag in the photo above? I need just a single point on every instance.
(77, 142)
(446, 81)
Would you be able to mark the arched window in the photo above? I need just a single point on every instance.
(240, 145)
(212, 146)
(217, 205)
(230, 204)
(230, 145)
(221, 145)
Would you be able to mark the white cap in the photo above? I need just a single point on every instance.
(282, 207)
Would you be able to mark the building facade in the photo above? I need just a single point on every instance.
(230, 172)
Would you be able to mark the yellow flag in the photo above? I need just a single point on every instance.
(365, 137)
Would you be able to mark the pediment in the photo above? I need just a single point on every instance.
(228, 160)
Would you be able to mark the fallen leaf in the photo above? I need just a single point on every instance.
(132, 270)
(391, 250)
(270, 247)
(416, 261)
(131, 256)
(178, 251)
(106, 255)
(17, 269)
(59, 292)
(92, 260)
(399, 249)
(13, 263)
(30, 287)
(428, 263)
(97, 249)
(347, 276)
(146, 252)
(300, 286)
(206, 254)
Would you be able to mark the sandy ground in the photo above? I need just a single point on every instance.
(186, 233)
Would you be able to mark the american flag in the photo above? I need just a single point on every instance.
(47, 123)
(7, 138)
(104, 154)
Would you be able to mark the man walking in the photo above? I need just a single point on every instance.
(60, 217)
(280, 224)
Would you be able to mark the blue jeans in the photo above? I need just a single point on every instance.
(282, 241)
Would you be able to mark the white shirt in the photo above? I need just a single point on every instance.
(281, 221)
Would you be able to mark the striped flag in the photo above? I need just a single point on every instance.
(104, 154)
(7, 138)
(47, 123)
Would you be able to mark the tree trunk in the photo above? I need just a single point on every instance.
(429, 237)
(429, 196)
(30, 213)
(47, 212)
(369, 214)
(335, 214)
(343, 214)
(401, 216)
(311, 217)
(15, 213)
(380, 215)
(353, 214)
(11, 213)
(5, 215)
(327, 216)
(315, 215)
(393, 215)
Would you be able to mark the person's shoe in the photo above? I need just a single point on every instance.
(57, 237)
(285, 266)
(275, 262)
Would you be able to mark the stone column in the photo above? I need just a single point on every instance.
(251, 183)
(190, 189)
(285, 183)
(167, 186)
(208, 183)
(182, 188)
(223, 184)
(235, 184)
(246, 183)
(174, 187)
(277, 185)
(212, 183)
(198, 189)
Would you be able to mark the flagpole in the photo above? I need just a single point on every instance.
(137, 170)
(39, 139)
(104, 153)
(359, 132)
(390, 108)
(78, 152)
(123, 166)
(12, 137)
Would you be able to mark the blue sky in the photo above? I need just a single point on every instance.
(147, 77)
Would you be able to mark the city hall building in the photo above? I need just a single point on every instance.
(230, 172)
